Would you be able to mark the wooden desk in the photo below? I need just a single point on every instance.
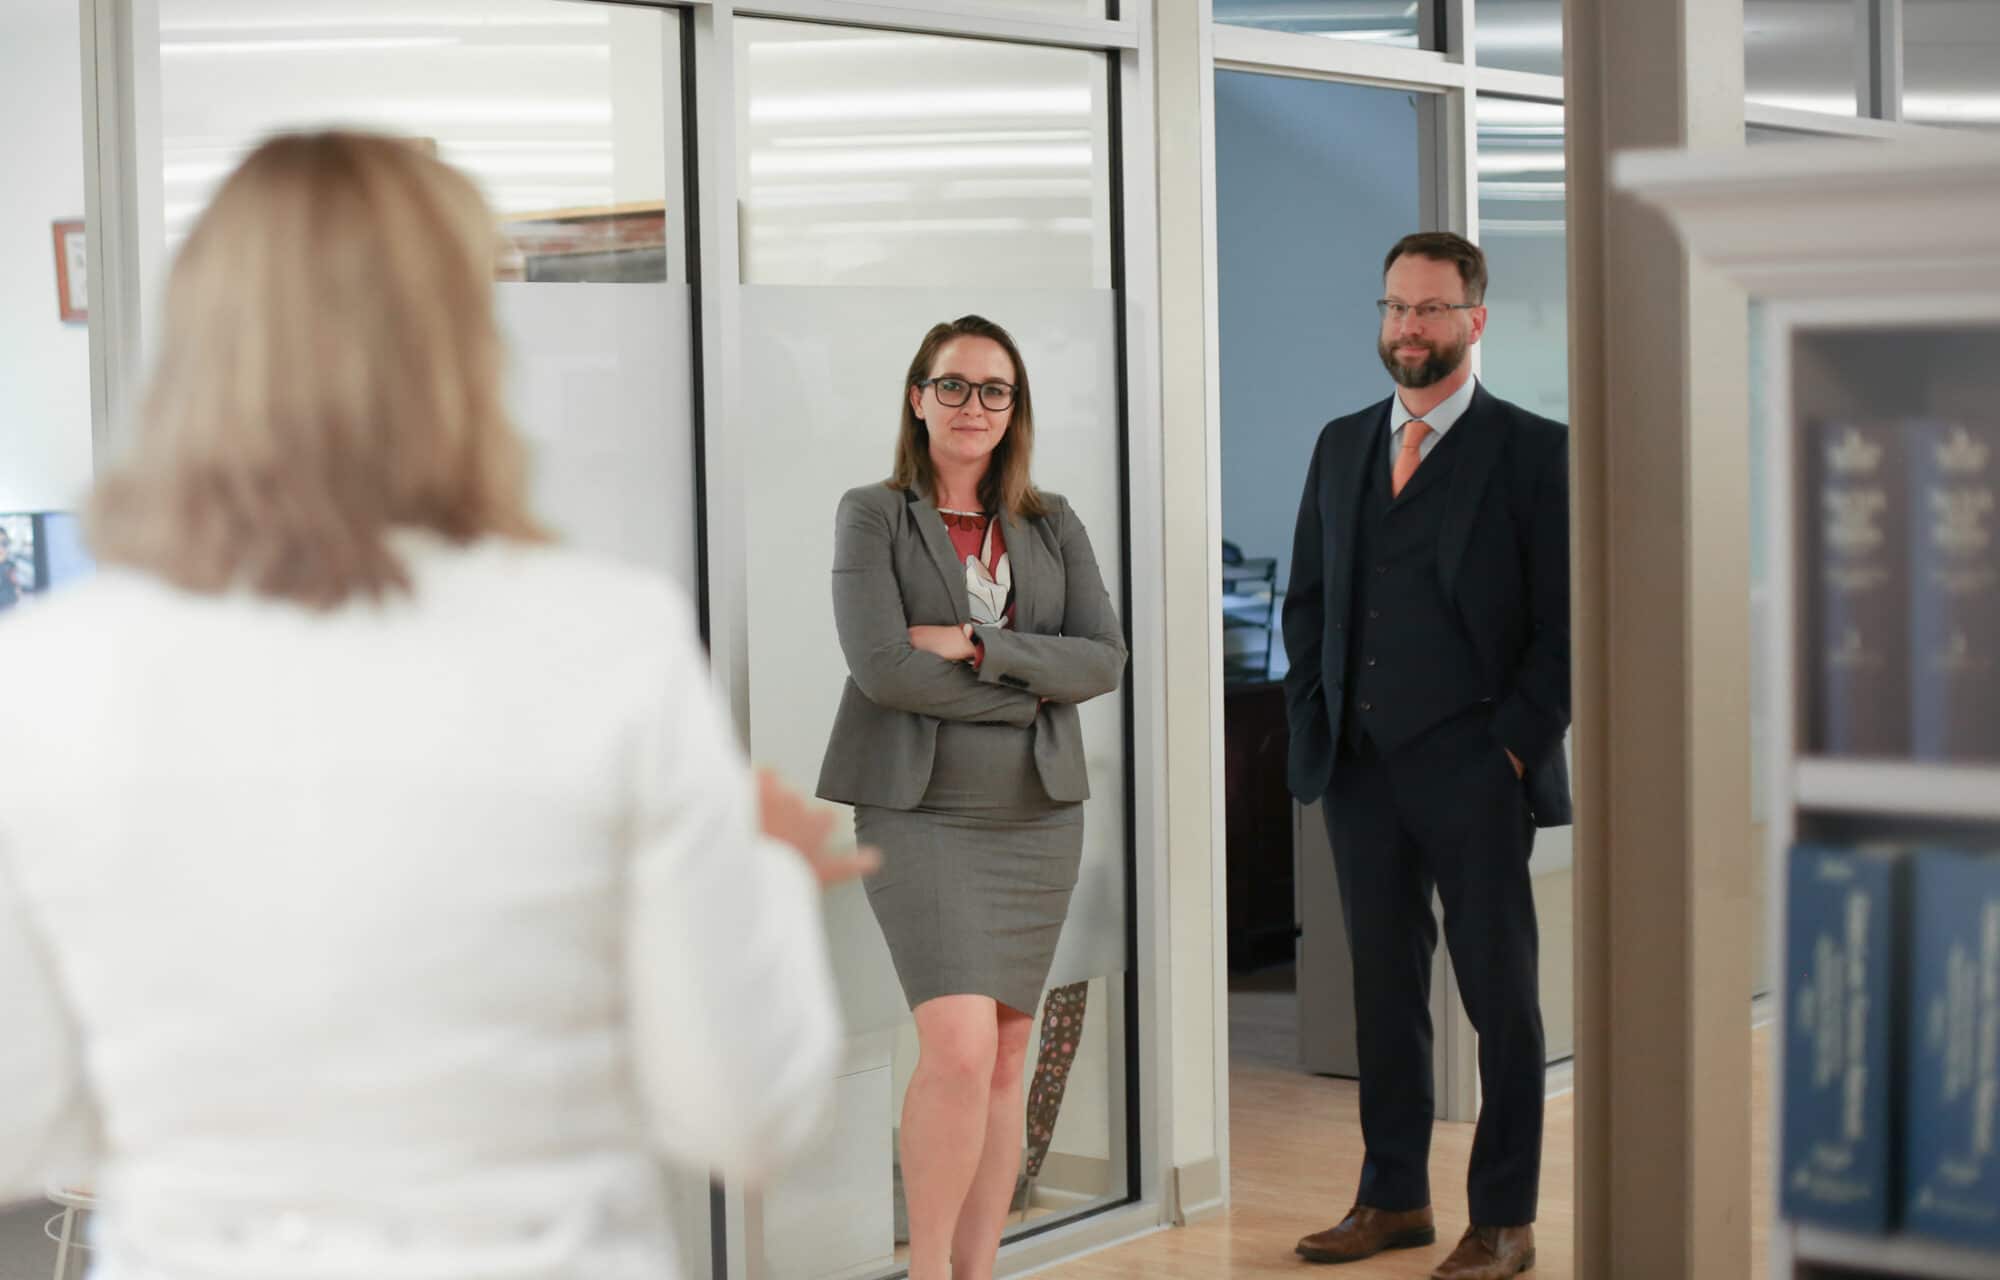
(1262, 921)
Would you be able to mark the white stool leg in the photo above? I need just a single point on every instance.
(62, 1243)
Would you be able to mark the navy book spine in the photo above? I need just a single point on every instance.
(1839, 1149)
(1954, 479)
(1952, 1097)
(1859, 599)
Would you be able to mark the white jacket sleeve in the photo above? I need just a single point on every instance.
(733, 1015)
(48, 1118)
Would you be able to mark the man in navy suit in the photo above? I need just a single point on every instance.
(1427, 622)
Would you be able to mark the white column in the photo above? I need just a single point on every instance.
(1660, 525)
(1190, 452)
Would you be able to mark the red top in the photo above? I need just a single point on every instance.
(968, 535)
(968, 538)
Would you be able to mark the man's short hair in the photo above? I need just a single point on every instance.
(1446, 246)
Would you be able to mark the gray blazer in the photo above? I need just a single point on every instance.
(894, 568)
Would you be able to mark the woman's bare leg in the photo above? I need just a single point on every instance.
(945, 1120)
(984, 1214)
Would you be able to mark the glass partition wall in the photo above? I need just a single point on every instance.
(889, 181)
(569, 117)
(1524, 357)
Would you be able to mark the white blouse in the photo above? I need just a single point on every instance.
(394, 941)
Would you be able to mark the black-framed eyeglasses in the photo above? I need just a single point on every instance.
(1424, 311)
(953, 392)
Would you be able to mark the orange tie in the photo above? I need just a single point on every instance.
(1409, 455)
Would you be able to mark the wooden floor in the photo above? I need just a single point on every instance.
(1295, 1146)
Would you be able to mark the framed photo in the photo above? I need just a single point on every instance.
(72, 280)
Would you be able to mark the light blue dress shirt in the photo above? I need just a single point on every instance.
(1439, 420)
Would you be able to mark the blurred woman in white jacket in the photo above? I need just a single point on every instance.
(382, 891)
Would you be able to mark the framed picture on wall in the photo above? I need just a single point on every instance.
(72, 281)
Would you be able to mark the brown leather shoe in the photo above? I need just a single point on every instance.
(1367, 1231)
(1489, 1253)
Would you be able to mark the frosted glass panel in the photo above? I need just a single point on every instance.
(568, 115)
(1397, 22)
(1951, 62)
(1524, 356)
(1525, 353)
(1521, 35)
(1803, 54)
(1031, 8)
(600, 384)
(885, 158)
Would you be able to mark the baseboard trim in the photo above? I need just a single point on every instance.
(1088, 1177)
(1194, 1191)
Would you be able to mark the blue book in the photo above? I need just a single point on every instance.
(1839, 1157)
(1856, 509)
(1954, 479)
(1952, 1103)
(1839, 1154)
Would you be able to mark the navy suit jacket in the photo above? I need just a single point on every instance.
(1502, 559)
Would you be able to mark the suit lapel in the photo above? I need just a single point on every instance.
(1485, 434)
(1347, 478)
(930, 528)
(1024, 558)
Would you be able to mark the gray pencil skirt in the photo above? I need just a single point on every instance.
(976, 879)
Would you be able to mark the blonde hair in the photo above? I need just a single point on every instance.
(1006, 485)
(329, 370)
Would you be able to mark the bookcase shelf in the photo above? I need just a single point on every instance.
(1898, 787)
(1871, 341)
(1918, 1259)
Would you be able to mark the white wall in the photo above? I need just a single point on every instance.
(1313, 183)
(44, 363)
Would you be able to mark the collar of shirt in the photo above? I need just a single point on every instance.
(1439, 420)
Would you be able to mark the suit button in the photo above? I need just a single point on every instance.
(1374, 613)
(1371, 662)
(1340, 626)
(1367, 706)
(1381, 568)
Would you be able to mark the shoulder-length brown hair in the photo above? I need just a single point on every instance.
(1005, 486)
(329, 370)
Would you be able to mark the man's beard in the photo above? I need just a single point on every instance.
(1441, 363)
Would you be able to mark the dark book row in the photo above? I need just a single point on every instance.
(1892, 1042)
(1903, 525)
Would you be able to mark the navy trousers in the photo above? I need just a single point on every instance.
(1443, 811)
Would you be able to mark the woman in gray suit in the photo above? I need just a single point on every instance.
(973, 619)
